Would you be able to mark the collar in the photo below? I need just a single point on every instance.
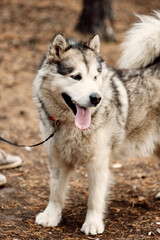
(52, 119)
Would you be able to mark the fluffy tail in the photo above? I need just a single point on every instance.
(142, 43)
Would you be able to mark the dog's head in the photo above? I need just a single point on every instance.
(73, 76)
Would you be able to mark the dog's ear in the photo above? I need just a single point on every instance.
(57, 47)
(94, 43)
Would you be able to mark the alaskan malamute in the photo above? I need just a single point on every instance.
(103, 113)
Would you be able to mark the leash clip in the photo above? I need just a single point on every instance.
(57, 124)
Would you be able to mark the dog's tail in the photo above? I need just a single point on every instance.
(142, 43)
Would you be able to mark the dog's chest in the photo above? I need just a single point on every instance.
(73, 146)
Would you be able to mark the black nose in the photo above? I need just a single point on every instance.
(95, 98)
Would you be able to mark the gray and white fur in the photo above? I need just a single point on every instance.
(103, 113)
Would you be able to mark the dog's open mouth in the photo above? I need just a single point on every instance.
(82, 115)
(69, 102)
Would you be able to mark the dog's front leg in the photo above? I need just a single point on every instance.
(99, 182)
(51, 216)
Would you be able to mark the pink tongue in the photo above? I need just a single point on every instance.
(83, 118)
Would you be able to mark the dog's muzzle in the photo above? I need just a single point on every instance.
(82, 113)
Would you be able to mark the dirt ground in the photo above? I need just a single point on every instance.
(26, 28)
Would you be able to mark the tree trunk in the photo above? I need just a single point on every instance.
(97, 17)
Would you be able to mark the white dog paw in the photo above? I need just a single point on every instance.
(92, 228)
(47, 218)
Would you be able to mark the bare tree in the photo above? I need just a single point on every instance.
(97, 17)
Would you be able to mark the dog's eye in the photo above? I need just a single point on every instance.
(95, 78)
(76, 77)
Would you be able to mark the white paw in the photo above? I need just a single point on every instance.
(93, 228)
(48, 218)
